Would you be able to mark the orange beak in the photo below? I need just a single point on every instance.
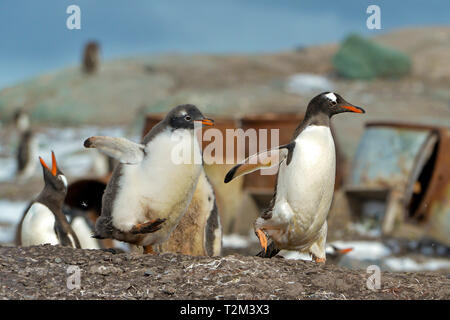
(344, 251)
(54, 165)
(262, 239)
(43, 163)
(354, 109)
(207, 122)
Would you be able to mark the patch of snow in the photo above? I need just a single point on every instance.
(121, 245)
(235, 241)
(67, 143)
(306, 83)
(407, 264)
(295, 255)
(364, 250)
(363, 230)
(10, 215)
(7, 169)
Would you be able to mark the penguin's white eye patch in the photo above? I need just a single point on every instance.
(332, 97)
(63, 179)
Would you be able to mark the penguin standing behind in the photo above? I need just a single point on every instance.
(335, 255)
(27, 147)
(199, 232)
(82, 226)
(149, 191)
(296, 218)
(44, 221)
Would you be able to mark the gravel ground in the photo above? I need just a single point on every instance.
(42, 273)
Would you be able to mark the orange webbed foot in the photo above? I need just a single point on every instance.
(148, 227)
(149, 250)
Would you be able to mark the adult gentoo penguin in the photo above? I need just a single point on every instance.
(296, 218)
(149, 191)
(44, 221)
(199, 232)
(27, 147)
(82, 226)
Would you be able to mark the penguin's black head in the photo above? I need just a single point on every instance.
(331, 103)
(185, 116)
(53, 177)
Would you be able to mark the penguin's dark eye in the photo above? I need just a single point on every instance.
(333, 103)
(187, 118)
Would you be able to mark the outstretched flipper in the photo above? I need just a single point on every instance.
(124, 150)
(263, 160)
(148, 227)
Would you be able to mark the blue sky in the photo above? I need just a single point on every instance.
(34, 37)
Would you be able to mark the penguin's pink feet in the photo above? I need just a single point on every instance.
(148, 227)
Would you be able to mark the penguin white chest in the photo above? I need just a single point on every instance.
(158, 187)
(84, 234)
(38, 226)
(306, 185)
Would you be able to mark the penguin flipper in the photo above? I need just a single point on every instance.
(263, 160)
(124, 150)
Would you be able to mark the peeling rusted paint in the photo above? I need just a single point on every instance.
(411, 159)
(385, 156)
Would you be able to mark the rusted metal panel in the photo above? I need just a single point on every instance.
(412, 162)
(438, 190)
(385, 156)
(439, 216)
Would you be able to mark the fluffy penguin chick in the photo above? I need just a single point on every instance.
(151, 188)
(44, 221)
(199, 232)
(296, 218)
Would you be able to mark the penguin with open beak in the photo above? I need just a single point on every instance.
(44, 221)
(296, 218)
(150, 189)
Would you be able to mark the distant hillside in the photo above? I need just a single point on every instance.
(219, 84)
(239, 84)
